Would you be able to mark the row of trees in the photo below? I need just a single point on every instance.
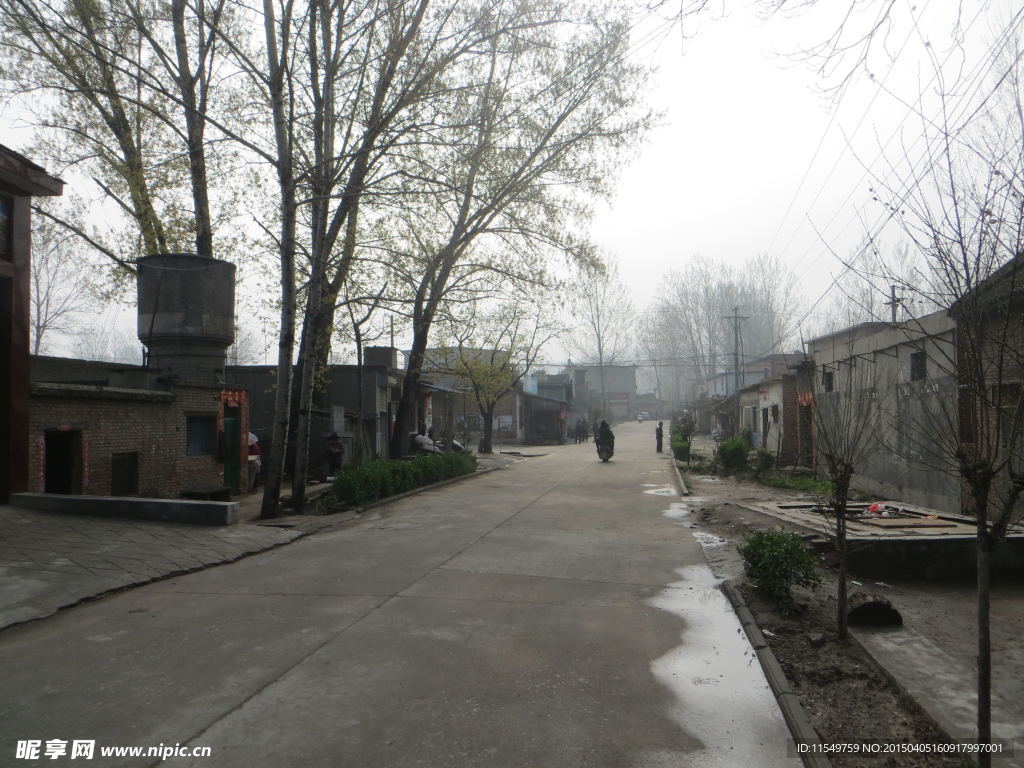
(960, 209)
(403, 155)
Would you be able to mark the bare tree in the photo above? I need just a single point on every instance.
(604, 314)
(846, 421)
(121, 91)
(60, 284)
(541, 124)
(963, 210)
(697, 297)
(491, 349)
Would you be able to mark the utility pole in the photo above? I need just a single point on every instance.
(736, 319)
(893, 302)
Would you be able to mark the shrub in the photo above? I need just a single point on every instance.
(380, 478)
(733, 454)
(680, 448)
(777, 560)
(765, 461)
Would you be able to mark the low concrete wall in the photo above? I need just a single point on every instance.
(932, 558)
(165, 510)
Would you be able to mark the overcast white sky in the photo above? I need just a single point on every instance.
(722, 176)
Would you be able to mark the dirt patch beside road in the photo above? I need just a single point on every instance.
(848, 699)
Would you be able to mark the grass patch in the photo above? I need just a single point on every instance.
(797, 483)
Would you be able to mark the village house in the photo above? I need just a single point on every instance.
(909, 370)
(169, 428)
(336, 405)
(718, 411)
(20, 181)
(990, 332)
(769, 410)
(594, 386)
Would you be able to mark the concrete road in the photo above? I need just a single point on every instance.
(555, 614)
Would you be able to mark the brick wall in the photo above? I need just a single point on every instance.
(147, 422)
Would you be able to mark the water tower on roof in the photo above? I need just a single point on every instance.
(186, 316)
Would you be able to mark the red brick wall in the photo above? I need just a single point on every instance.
(153, 427)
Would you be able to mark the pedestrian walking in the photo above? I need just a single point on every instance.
(335, 451)
(254, 464)
(659, 434)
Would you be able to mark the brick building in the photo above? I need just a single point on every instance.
(20, 181)
(100, 438)
(168, 428)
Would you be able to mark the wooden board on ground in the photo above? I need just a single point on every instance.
(907, 522)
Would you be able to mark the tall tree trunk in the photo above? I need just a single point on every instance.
(360, 444)
(984, 546)
(306, 372)
(841, 492)
(286, 343)
(195, 125)
(399, 444)
(487, 439)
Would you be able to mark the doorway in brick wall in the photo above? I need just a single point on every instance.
(124, 474)
(63, 461)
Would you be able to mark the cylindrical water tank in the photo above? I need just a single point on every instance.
(186, 315)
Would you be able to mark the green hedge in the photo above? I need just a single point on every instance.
(380, 478)
(733, 454)
(680, 448)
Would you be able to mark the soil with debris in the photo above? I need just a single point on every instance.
(847, 698)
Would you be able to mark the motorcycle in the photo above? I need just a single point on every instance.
(605, 451)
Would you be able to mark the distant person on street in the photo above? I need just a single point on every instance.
(254, 464)
(335, 450)
(659, 433)
(605, 436)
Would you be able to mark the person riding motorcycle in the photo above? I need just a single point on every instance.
(605, 436)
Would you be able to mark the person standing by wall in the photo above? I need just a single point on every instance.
(335, 450)
(659, 434)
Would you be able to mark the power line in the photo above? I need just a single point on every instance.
(824, 135)
(961, 105)
(911, 108)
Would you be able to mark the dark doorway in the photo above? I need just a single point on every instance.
(124, 474)
(806, 436)
(63, 461)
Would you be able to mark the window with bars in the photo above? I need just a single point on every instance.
(918, 366)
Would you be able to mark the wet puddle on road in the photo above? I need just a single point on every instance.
(709, 539)
(663, 491)
(678, 511)
(721, 695)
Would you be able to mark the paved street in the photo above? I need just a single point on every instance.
(555, 613)
(49, 561)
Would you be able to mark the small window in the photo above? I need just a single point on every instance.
(827, 381)
(918, 366)
(200, 435)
